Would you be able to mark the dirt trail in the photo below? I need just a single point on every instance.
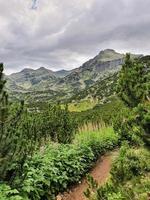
(100, 173)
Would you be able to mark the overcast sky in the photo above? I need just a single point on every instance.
(65, 33)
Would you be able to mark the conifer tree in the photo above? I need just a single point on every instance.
(134, 90)
(133, 85)
(3, 101)
(67, 128)
(8, 133)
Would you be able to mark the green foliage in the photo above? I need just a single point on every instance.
(134, 82)
(130, 163)
(20, 134)
(143, 111)
(130, 177)
(92, 184)
(135, 189)
(107, 112)
(58, 124)
(82, 105)
(128, 126)
(99, 141)
(6, 193)
(134, 90)
(58, 166)
(9, 145)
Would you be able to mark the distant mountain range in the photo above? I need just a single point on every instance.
(46, 84)
(28, 78)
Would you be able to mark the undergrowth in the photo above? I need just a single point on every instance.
(130, 177)
(58, 166)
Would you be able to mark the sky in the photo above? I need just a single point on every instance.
(63, 34)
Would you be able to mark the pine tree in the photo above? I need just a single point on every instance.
(67, 128)
(133, 85)
(134, 90)
(3, 101)
(58, 124)
(8, 134)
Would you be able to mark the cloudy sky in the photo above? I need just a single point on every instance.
(65, 33)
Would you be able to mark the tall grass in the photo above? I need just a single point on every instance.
(99, 140)
(92, 126)
(95, 135)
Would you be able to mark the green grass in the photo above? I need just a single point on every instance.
(103, 134)
(99, 141)
(82, 105)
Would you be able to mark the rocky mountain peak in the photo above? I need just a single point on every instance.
(108, 55)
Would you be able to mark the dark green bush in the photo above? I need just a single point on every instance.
(130, 163)
(58, 124)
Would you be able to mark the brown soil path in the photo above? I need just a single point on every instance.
(100, 173)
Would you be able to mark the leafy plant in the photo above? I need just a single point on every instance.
(60, 165)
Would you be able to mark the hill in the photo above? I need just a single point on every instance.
(101, 90)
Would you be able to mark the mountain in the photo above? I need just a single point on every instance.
(105, 63)
(46, 84)
(61, 73)
(28, 78)
(100, 90)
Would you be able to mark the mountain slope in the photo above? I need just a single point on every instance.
(61, 73)
(64, 83)
(100, 91)
(105, 63)
(27, 78)
(100, 66)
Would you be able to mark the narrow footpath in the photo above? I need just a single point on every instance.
(100, 173)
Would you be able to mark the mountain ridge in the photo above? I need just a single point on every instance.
(63, 82)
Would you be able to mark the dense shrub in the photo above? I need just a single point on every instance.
(17, 138)
(6, 193)
(134, 82)
(58, 124)
(128, 126)
(106, 112)
(130, 163)
(58, 166)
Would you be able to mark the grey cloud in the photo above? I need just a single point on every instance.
(64, 34)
